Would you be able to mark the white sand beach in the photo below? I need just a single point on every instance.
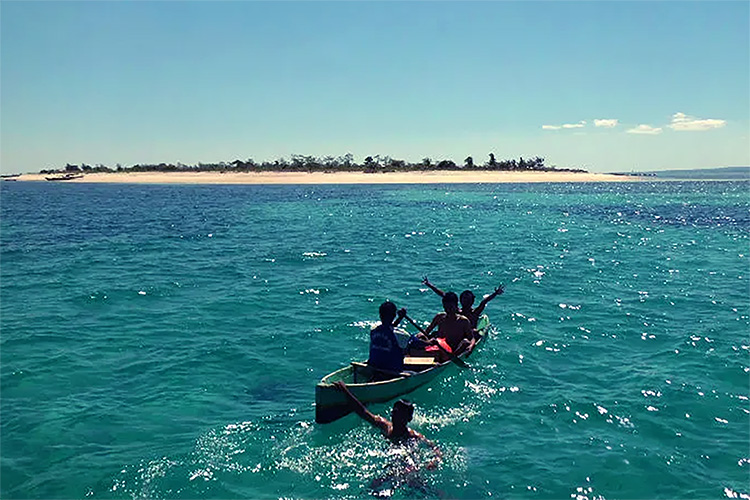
(416, 177)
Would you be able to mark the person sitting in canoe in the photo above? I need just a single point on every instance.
(454, 331)
(386, 355)
(396, 430)
(467, 301)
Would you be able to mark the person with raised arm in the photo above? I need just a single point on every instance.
(426, 282)
(467, 301)
(395, 430)
(454, 331)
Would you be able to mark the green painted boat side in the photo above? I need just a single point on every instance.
(330, 404)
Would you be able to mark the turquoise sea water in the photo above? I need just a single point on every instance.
(165, 341)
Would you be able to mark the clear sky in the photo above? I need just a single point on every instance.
(607, 86)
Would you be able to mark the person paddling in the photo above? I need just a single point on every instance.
(396, 430)
(386, 355)
(467, 301)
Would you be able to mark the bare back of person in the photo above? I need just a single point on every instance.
(467, 301)
(453, 328)
(395, 430)
(395, 435)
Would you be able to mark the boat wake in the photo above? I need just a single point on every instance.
(300, 459)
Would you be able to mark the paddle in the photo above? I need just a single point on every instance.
(460, 362)
(421, 330)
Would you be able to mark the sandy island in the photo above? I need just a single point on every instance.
(415, 177)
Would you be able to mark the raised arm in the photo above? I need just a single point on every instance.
(432, 287)
(359, 408)
(480, 308)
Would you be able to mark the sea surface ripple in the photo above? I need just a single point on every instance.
(164, 341)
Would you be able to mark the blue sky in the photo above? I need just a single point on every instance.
(606, 86)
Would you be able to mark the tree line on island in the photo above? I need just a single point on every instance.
(345, 163)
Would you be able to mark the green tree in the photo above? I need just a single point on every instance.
(446, 165)
(347, 160)
(397, 164)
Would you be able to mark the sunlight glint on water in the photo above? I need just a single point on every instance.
(164, 341)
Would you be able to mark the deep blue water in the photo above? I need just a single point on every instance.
(165, 341)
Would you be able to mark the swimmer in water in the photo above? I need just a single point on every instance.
(396, 430)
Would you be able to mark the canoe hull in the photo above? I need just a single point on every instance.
(330, 404)
(67, 177)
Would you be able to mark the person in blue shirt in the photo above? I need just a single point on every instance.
(385, 353)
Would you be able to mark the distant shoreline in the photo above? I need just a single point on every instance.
(413, 177)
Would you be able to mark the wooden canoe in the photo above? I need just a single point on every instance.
(66, 177)
(330, 404)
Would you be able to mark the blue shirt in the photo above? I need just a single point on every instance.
(385, 352)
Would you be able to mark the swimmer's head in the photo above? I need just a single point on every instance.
(402, 412)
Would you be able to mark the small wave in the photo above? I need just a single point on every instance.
(730, 493)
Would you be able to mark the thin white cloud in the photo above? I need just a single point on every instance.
(606, 122)
(645, 129)
(684, 123)
(580, 124)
